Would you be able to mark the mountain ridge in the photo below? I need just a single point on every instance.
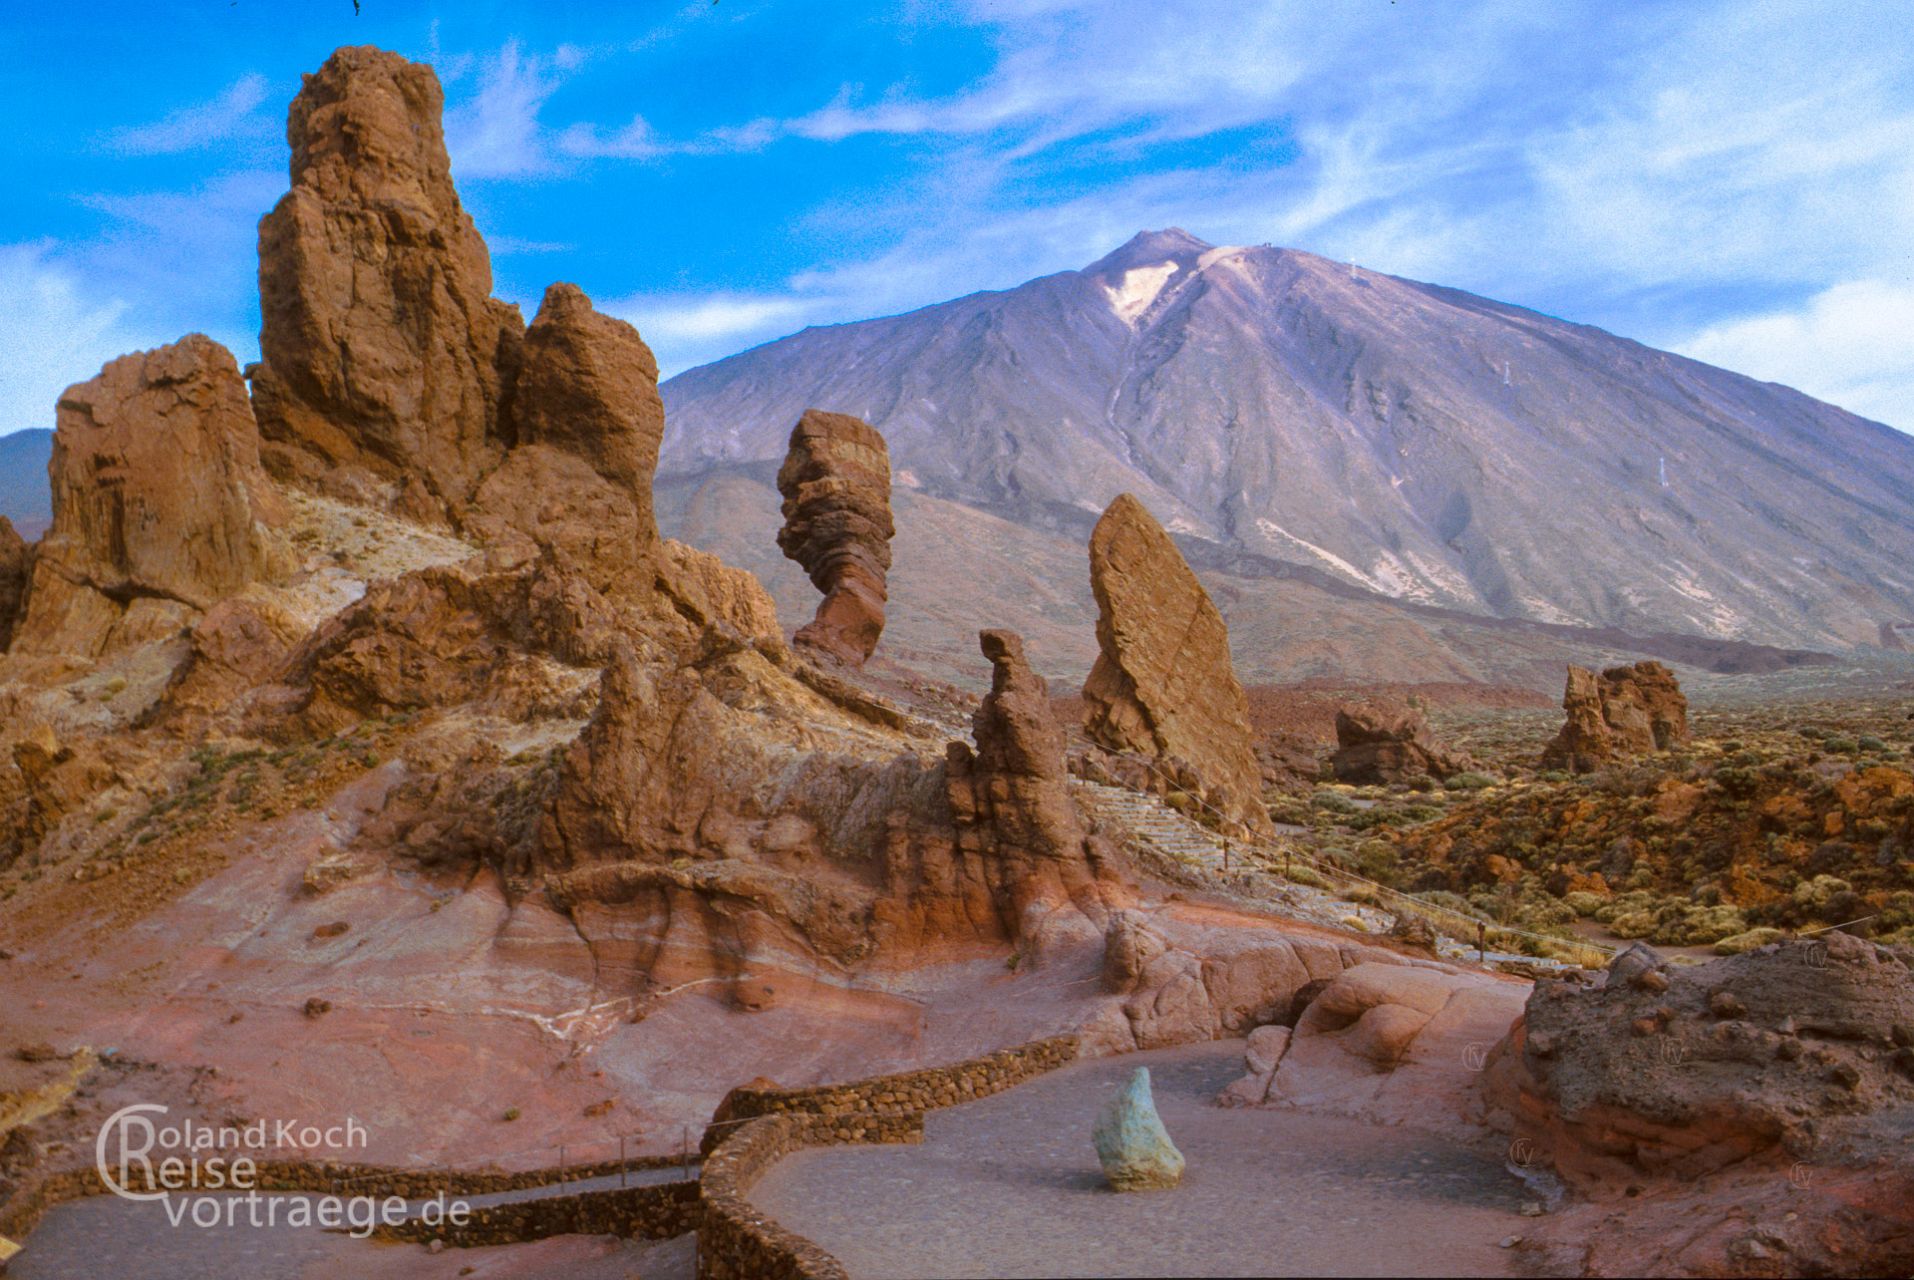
(1413, 439)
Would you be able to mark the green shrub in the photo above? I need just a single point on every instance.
(1469, 781)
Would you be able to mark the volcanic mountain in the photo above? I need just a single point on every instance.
(1308, 421)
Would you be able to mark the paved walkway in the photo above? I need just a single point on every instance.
(1010, 1186)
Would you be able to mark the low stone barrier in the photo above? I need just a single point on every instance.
(22, 1211)
(924, 1090)
(735, 1240)
(753, 1129)
(657, 1211)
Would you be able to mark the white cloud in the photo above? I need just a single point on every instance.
(53, 333)
(496, 132)
(232, 114)
(687, 331)
(1847, 345)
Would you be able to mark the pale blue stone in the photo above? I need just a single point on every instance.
(1132, 1144)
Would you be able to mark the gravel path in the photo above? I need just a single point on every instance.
(1010, 1186)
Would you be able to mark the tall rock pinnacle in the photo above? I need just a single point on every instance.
(383, 352)
(836, 482)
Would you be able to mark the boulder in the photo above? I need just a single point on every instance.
(1163, 684)
(836, 482)
(1624, 711)
(158, 499)
(1132, 1145)
(383, 356)
(1682, 1071)
(1375, 746)
(16, 564)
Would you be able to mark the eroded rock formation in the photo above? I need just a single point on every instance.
(1624, 711)
(836, 482)
(1784, 1053)
(1019, 854)
(158, 498)
(1377, 746)
(384, 357)
(585, 411)
(1163, 684)
(16, 563)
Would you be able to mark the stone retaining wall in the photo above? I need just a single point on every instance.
(755, 1128)
(657, 1211)
(924, 1090)
(21, 1212)
(735, 1240)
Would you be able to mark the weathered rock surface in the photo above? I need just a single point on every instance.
(1163, 684)
(16, 564)
(1624, 711)
(1376, 746)
(384, 358)
(158, 496)
(836, 483)
(585, 410)
(1396, 1043)
(1786, 1052)
(1132, 1145)
(1018, 854)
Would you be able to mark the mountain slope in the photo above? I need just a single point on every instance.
(1417, 441)
(24, 497)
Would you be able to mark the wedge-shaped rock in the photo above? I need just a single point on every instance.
(1132, 1144)
(1163, 684)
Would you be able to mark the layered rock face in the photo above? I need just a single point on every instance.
(158, 496)
(1163, 684)
(585, 411)
(1681, 1071)
(836, 483)
(16, 563)
(1624, 711)
(383, 355)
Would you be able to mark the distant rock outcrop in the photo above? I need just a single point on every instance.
(16, 562)
(384, 357)
(1163, 684)
(157, 498)
(1624, 711)
(1790, 1050)
(836, 482)
(1377, 747)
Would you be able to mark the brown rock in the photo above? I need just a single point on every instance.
(836, 482)
(383, 355)
(1163, 684)
(1010, 799)
(585, 409)
(16, 564)
(157, 489)
(1375, 746)
(1624, 711)
(1691, 1094)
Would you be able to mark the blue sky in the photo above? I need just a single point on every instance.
(1731, 180)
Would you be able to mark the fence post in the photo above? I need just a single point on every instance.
(1481, 943)
(684, 1150)
(621, 1159)
(561, 1168)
